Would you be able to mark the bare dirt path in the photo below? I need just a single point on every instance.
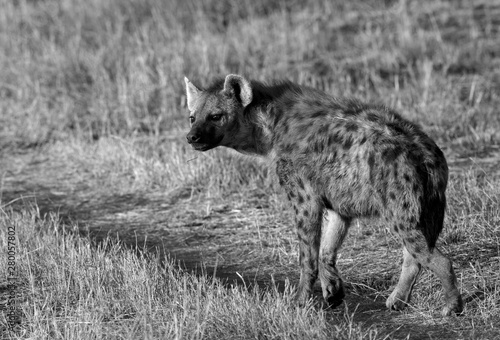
(215, 236)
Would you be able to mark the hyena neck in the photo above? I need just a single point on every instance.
(257, 131)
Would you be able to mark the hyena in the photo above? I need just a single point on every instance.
(336, 159)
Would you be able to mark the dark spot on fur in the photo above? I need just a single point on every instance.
(351, 127)
(410, 240)
(353, 107)
(347, 143)
(291, 193)
(318, 114)
(413, 255)
(406, 177)
(396, 128)
(395, 170)
(323, 129)
(317, 146)
(300, 183)
(372, 117)
(306, 213)
(396, 228)
(390, 154)
(300, 224)
(300, 199)
(301, 255)
(363, 140)
(371, 160)
(392, 196)
(285, 128)
(334, 138)
(405, 205)
(289, 147)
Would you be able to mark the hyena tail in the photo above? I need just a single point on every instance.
(434, 203)
(432, 218)
(431, 224)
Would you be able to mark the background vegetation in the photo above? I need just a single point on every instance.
(92, 126)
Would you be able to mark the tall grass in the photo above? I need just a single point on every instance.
(116, 67)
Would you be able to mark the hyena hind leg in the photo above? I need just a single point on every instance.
(443, 268)
(401, 295)
(333, 231)
(434, 260)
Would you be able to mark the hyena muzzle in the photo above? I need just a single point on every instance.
(336, 159)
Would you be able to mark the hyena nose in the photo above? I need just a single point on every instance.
(193, 137)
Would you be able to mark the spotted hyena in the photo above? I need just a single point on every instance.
(337, 159)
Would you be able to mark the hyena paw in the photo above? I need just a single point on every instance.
(453, 307)
(396, 301)
(302, 297)
(334, 295)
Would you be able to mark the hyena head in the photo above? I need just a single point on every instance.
(216, 114)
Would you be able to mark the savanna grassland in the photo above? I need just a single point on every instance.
(123, 232)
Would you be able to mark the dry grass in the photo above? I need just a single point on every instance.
(116, 67)
(71, 289)
(92, 124)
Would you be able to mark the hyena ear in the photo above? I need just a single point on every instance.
(192, 94)
(239, 87)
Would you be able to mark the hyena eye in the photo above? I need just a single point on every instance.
(216, 117)
(191, 119)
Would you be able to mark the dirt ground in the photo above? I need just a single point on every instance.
(218, 236)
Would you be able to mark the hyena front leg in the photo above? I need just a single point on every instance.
(333, 231)
(308, 218)
(308, 215)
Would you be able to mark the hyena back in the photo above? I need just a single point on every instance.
(337, 159)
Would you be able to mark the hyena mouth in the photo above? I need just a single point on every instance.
(206, 146)
(202, 146)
